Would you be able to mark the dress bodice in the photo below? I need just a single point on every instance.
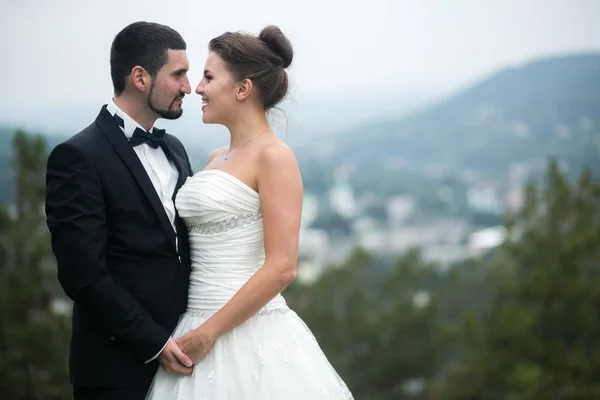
(224, 220)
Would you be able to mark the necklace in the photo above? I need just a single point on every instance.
(230, 152)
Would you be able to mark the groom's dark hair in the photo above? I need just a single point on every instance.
(144, 44)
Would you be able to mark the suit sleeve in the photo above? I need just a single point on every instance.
(76, 218)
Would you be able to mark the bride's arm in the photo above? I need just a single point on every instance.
(280, 189)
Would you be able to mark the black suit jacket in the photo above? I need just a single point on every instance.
(116, 254)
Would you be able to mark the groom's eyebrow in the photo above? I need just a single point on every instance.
(180, 71)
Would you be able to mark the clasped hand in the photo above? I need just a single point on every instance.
(180, 356)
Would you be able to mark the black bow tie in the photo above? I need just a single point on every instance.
(154, 139)
(140, 136)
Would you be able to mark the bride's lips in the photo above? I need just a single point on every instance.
(204, 103)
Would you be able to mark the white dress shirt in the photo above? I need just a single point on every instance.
(161, 171)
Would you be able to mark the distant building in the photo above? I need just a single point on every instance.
(442, 240)
(400, 208)
(310, 210)
(514, 199)
(341, 195)
(486, 239)
(313, 242)
(484, 198)
(307, 272)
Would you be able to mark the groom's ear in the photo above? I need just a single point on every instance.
(244, 89)
(140, 78)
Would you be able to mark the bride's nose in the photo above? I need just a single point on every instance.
(200, 89)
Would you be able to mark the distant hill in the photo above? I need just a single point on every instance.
(522, 115)
(518, 115)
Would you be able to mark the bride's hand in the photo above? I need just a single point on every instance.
(196, 344)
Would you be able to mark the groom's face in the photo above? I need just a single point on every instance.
(170, 85)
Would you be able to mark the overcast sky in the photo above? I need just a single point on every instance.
(375, 53)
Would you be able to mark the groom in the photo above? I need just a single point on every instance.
(121, 249)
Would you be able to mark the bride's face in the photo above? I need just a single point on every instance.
(218, 89)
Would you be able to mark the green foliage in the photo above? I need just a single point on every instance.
(520, 323)
(33, 339)
(539, 336)
(368, 324)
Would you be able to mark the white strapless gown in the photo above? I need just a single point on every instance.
(271, 356)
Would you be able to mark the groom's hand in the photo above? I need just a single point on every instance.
(174, 361)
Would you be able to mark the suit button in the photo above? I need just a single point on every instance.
(112, 338)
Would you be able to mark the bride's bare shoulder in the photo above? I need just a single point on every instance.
(216, 153)
(278, 153)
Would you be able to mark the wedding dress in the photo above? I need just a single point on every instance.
(271, 356)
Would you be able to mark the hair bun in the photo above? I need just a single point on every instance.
(277, 41)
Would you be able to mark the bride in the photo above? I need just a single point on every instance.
(243, 215)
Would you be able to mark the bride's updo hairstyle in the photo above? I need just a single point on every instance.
(262, 59)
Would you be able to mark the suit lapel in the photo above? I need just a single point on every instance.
(180, 163)
(121, 145)
(178, 160)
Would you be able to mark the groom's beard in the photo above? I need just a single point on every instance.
(169, 113)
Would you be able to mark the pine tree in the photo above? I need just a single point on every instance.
(33, 338)
(539, 337)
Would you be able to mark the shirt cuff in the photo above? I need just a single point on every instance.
(157, 354)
